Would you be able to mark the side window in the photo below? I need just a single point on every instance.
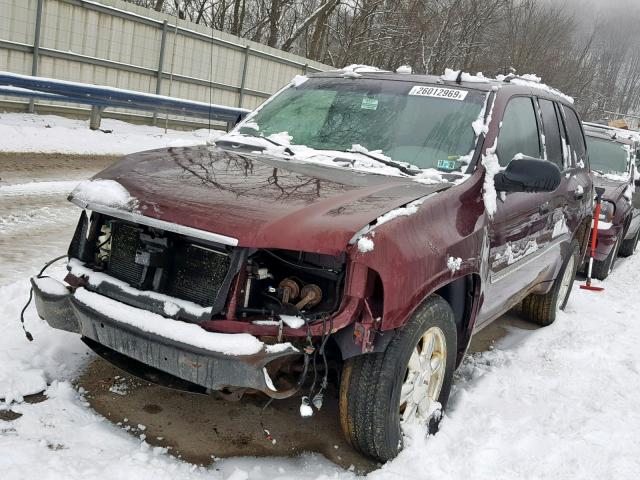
(551, 129)
(577, 146)
(519, 132)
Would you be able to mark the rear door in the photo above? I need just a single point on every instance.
(576, 184)
(522, 220)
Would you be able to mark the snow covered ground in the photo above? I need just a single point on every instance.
(21, 132)
(559, 402)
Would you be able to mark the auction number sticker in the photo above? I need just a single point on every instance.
(438, 92)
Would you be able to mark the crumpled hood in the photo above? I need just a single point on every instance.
(261, 201)
(613, 189)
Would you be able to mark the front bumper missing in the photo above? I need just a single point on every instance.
(208, 369)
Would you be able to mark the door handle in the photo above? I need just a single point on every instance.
(544, 208)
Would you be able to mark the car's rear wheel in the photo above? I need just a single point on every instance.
(408, 383)
(542, 309)
(630, 246)
(602, 269)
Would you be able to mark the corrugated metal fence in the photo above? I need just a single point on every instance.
(120, 45)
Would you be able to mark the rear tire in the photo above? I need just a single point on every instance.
(629, 246)
(602, 269)
(542, 309)
(371, 412)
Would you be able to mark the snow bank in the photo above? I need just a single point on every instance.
(104, 192)
(22, 132)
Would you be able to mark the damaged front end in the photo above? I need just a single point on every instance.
(199, 308)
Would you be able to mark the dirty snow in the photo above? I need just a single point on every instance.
(103, 192)
(22, 132)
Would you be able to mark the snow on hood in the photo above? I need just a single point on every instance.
(103, 192)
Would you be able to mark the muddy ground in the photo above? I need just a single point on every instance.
(36, 226)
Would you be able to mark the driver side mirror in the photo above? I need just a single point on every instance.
(528, 174)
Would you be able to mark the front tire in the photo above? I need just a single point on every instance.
(409, 382)
(542, 309)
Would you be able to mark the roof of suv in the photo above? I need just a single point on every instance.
(608, 133)
(515, 83)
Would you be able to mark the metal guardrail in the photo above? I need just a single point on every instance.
(101, 97)
(38, 50)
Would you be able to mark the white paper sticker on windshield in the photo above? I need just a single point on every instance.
(369, 103)
(438, 92)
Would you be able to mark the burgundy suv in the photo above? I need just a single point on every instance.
(355, 230)
(613, 154)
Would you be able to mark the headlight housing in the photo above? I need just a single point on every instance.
(607, 210)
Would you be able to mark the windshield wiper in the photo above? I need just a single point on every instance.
(386, 161)
(232, 141)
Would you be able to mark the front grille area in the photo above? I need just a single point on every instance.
(182, 269)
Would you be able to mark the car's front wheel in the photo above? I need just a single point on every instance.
(408, 383)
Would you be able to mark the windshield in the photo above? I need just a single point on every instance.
(607, 156)
(427, 126)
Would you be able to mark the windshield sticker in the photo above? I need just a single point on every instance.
(369, 103)
(449, 165)
(438, 92)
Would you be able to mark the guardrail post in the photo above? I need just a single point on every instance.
(36, 48)
(305, 69)
(96, 117)
(244, 74)
(163, 42)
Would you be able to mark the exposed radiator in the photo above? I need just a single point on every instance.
(190, 272)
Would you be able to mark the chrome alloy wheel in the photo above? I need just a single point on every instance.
(565, 283)
(424, 378)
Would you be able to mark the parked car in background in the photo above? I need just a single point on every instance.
(613, 154)
(359, 227)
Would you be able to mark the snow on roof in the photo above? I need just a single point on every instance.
(452, 76)
(533, 81)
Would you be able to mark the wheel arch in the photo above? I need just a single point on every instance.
(463, 296)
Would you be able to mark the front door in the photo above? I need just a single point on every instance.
(522, 222)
